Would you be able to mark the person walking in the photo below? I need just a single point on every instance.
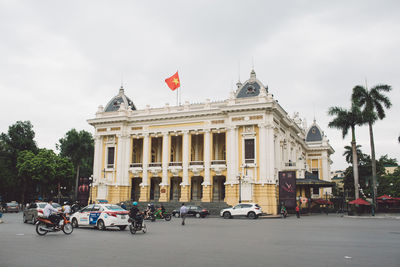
(183, 212)
(297, 211)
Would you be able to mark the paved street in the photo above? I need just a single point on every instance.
(318, 240)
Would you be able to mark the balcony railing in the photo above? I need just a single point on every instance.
(249, 161)
(155, 164)
(175, 164)
(110, 166)
(218, 162)
(136, 165)
(195, 163)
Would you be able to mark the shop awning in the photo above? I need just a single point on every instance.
(314, 182)
(360, 201)
(321, 201)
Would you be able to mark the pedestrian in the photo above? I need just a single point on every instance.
(297, 211)
(183, 212)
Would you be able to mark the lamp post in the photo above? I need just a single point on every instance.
(90, 188)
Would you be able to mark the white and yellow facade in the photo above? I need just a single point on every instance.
(200, 152)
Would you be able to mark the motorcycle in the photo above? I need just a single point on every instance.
(166, 216)
(149, 216)
(44, 225)
(283, 214)
(135, 226)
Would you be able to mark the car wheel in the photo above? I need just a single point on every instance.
(100, 225)
(227, 215)
(251, 215)
(176, 215)
(197, 215)
(24, 218)
(122, 228)
(75, 223)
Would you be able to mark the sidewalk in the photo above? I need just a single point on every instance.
(377, 216)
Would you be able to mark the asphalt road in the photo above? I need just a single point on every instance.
(318, 240)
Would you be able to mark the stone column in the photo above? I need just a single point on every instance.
(185, 189)
(270, 154)
(144, 189)
(98, 152)
(165, 161)
(231, 187)
(207, 165)
(263, 153)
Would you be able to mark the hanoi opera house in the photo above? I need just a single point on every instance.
(201, 152)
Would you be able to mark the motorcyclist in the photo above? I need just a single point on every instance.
(67, 208)
(51, 213)
(134, 214)
(160, 211)
(283, 210)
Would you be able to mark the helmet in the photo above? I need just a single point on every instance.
(148, 205)
(134, 203)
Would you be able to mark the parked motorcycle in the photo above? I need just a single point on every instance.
(136, 226)
(44, 225)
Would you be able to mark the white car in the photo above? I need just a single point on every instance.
(101, 216)
(250, 210)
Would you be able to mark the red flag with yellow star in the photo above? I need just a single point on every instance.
(173, 82)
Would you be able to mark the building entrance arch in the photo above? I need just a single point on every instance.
(135, 188)
(196, 192)
(155, 188)
(219, 188)
(175, 188)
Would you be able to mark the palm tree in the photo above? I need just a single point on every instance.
(348, 153)
(372, 103)
(345, 120)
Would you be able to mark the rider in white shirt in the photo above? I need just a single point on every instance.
(67, 209)
(51, 213)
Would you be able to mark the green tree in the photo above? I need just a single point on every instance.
(348, 153)
(20, 137)
(345, 120)
(26, 166)
(79, 147)
(64, 174)
(372, 102)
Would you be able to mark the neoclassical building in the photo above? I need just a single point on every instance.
(201, 152)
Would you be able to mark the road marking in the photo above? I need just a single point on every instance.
(20, 234)
(347, 257)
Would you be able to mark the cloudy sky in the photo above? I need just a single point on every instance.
(60, 60)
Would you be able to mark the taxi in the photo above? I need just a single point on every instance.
(101, 216)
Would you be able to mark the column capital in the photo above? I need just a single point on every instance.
(207, 130)
(185, 131)
(165, 133)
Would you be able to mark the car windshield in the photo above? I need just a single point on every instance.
(56, 205)
(12, 204)
(42, 205)
(114, 207)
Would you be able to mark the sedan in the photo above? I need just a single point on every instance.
(196, 211)
(101, 216)
(35, 210)
(12, 207)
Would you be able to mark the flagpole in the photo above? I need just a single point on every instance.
(177, 90)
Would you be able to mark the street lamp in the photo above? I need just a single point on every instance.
(90, 188)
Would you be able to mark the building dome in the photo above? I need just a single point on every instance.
(314, 134)
(252, 87)
(115, 103)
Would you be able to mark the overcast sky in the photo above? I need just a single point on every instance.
(60, 60)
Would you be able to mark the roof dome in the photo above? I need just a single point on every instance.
(252, 87)
(115, 103)
(314, 134)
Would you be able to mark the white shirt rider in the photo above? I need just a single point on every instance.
(48, 210)
(67, 209)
